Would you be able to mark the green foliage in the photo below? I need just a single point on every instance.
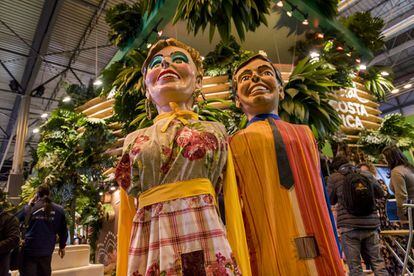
(246, 15)
(4, 202)
(79, 94)
(394, 129)
(225, 57)
(377, 84)
(71, 160)
(125, 22)
(367, 28)
(307, 96)
(124, 79)
(335, 49)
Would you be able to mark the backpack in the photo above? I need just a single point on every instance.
(357, 192)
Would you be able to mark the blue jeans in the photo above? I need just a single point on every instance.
(364, 242)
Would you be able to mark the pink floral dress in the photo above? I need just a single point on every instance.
(183, 236)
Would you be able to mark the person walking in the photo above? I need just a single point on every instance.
(354, 193)
(402, 178)
(9, 237)
(46, 220)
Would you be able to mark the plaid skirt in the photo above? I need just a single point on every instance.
(180, 237)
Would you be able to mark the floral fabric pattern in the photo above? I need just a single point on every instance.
(164, 232)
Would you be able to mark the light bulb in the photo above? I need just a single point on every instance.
(113, 188)
(97, 82)
(44, 115)
(394, 91)
(362, 67)
(385, 73)
(409, 85)
(280, 4)
(66, 99)
(101, 193)
(289, 13)
(149, 45)
(36, 130)
(319, 35)
(160, 33)
(314, 54)
(305, 22)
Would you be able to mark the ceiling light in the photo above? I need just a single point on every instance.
(289, 13)
(66, 99)
(98, 82)
(101, 193)
(362, 67)
(149, 45)
(319, 35)
(314, 54)
(305, 22)
(394, 91)
(385, 73)
(409, 85)
(280, 4)
(44, 115)
(36, 130)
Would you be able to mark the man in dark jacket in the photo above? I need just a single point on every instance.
(359, 234)
(9, 239)
(47, 220)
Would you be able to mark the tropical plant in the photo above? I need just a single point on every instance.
(246, 15)
(4, 202)
(394, 130)
(226, 56)
(80, 94)
(307, 98)
(377, 84)
(125, 22)
(71, 159)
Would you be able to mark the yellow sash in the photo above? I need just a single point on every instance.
(171, 191)
(176, 113)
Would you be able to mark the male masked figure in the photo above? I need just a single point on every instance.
(287, 221)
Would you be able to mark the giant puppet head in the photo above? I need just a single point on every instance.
(172, 73)
(257, 86)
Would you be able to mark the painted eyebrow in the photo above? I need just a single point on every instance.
(245, 72)
(265, 67)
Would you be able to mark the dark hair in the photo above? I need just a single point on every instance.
(43, 192)
(395, 157)
(338, 161)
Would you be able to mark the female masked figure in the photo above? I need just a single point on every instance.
(175, 168)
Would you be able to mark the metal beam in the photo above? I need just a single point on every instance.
(392, 52)
(39, 47)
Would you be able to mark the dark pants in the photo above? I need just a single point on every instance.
(36, 266)
(363, 242)
(4, 264)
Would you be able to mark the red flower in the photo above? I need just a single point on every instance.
(136, 148)
(153, 270)
(210, 140)
(184, 136)
(123, 172)
(194, 152)
(166, 151)
(208, 199)
(165, 167)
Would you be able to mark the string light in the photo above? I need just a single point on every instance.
(339, 48)
(98, 82)
(385, 73)
(395, 91)
(149, 45)
(319, 35)
(36, 130)
(407, 86)
(349, 54)
(66, 99)
(202, 58)
(289, 13)
(101, 193)
(279, 4)
(113, 188)
(44, 115)
(362, 67)
(314, 54)
(357, 60)
(305, 22)
(160, 33)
